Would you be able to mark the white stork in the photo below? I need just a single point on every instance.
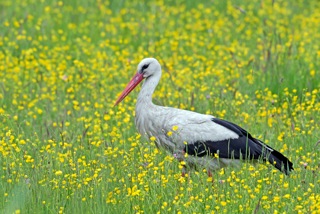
(202, 137)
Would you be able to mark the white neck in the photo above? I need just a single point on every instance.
(146, 92)
(144, 106)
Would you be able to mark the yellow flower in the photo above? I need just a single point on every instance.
(134, 191)
(175, 128)
(182, 163)
(59, 172)
(287, 196)
(152, 138)
(312, 73)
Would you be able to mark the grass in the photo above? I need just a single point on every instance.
(64, 148)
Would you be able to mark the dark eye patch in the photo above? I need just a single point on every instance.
(145, 66)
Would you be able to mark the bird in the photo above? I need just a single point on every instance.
(197, 140)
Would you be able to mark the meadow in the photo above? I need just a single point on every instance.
(64, 147)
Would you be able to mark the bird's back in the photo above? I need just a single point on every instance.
(189, 126)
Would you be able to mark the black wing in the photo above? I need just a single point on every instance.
(243, 147)
(239, 148)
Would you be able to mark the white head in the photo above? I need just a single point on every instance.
(149, 67)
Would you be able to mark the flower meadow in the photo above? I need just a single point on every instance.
(64, 148)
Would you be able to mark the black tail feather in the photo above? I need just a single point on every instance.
(279, 161)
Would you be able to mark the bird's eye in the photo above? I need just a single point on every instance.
(145, 66)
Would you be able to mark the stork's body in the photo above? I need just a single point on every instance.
(201, 136)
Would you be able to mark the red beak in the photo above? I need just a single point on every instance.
(131, 85)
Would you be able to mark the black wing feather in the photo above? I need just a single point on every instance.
(233, 127)
(239, 148)
(244, 147)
